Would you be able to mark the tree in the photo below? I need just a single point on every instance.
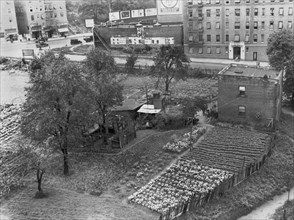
(106, 90)
(57, 107)
(131, 61)
(170, 63)
(280, 52)
(98, 10)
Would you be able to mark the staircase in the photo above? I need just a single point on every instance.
(100, 40)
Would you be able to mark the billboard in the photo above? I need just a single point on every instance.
(137, 13)
(89, 23)
(113, 16)
(169, 7)
(150, 11)
(125, 14)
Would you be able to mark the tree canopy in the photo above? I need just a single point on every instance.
(170, 63)
(57, 107)
(280, 52)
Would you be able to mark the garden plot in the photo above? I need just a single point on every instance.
(230, 149)
(210, 166)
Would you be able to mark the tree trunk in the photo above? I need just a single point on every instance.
(166, 85)
(65, 159)
(39, 179)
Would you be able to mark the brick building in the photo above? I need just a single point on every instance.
(8, 23)
(249, 95)
(41, 17)
(233, 29)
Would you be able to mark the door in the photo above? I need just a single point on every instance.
(237, 52)
(255, 56)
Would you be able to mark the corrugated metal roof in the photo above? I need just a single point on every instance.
(148, 109)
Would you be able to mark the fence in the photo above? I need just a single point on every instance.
(199, 199)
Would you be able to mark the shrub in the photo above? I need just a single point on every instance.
(3, 60)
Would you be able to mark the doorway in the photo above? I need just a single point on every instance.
(236, 52)
(255, 56)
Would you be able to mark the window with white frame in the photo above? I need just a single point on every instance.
(281, 11)
(290, 11)
(289, 24)
(280, 25)
(208, 50)
(217, 25)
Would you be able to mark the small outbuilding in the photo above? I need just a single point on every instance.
(249, 94)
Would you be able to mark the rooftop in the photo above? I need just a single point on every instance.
(249, 71)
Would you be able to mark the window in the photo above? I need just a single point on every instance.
(237, 12)
(217, 25)
(272, 11)
(247, 1)
(217, 37)
(290, 24)
(32, 17)
(31, 10)
(10, 19)
(208, 50)
(247, 25)
(271, 25)
(61, 14)
(227, 25)
(200, 13)
(262, 38)
(208, 37)
(227, 37)
(247, 38)
(9, 10)
(218, 50)
(247, 11)
(241, 110)
(207, 1)
(262, 25)
(247, 49)
(237, 38)
(280, 25)
(200, 50)
(217, 12)
(256, 1)
(242, 90)
(290, 11)
(200, 37)
(237, 25)
(42, 17)
(281, 11)
(208, 25)
(227, 49)
(255, 11)
(208, 13)
(190, 13)
(227, 2)
(190, 24)
(217, 2)
(272, 0)
(237, 1)
(199, 25)
(255, 25)
(227, 12)
(190, 38)
(263, 12)
(255, 38)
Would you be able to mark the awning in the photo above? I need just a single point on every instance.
(60, 30)
(148, 109)
(36, 28)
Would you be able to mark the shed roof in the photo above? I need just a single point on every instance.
(249, 71)
(148, 109)
(128, 105)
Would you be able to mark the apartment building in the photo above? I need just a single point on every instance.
(8, 23)
(234, 29)
(41, 17)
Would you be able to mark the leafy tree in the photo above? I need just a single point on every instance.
(106, 90)
(98, 10)
(57, 107)
(131, 61)
(170, 63)
(280, 52)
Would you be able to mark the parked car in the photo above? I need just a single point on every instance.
(40, 44)
(75, 41)
(12, 37)
(88, 39)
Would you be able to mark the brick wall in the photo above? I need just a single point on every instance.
(260, 99)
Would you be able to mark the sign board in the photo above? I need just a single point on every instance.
(150, 11)
(125, 14)
(114, 16)
(89, 23)
(28, 53)
(169, 7)
(137, 13)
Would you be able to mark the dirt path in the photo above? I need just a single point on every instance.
(266, 211)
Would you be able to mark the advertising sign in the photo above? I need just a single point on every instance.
(125, 14)
(89, 23)
(114, 16)
(150, 11)
(138, 13)
(169, 7)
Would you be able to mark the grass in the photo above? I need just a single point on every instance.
(82, 49)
